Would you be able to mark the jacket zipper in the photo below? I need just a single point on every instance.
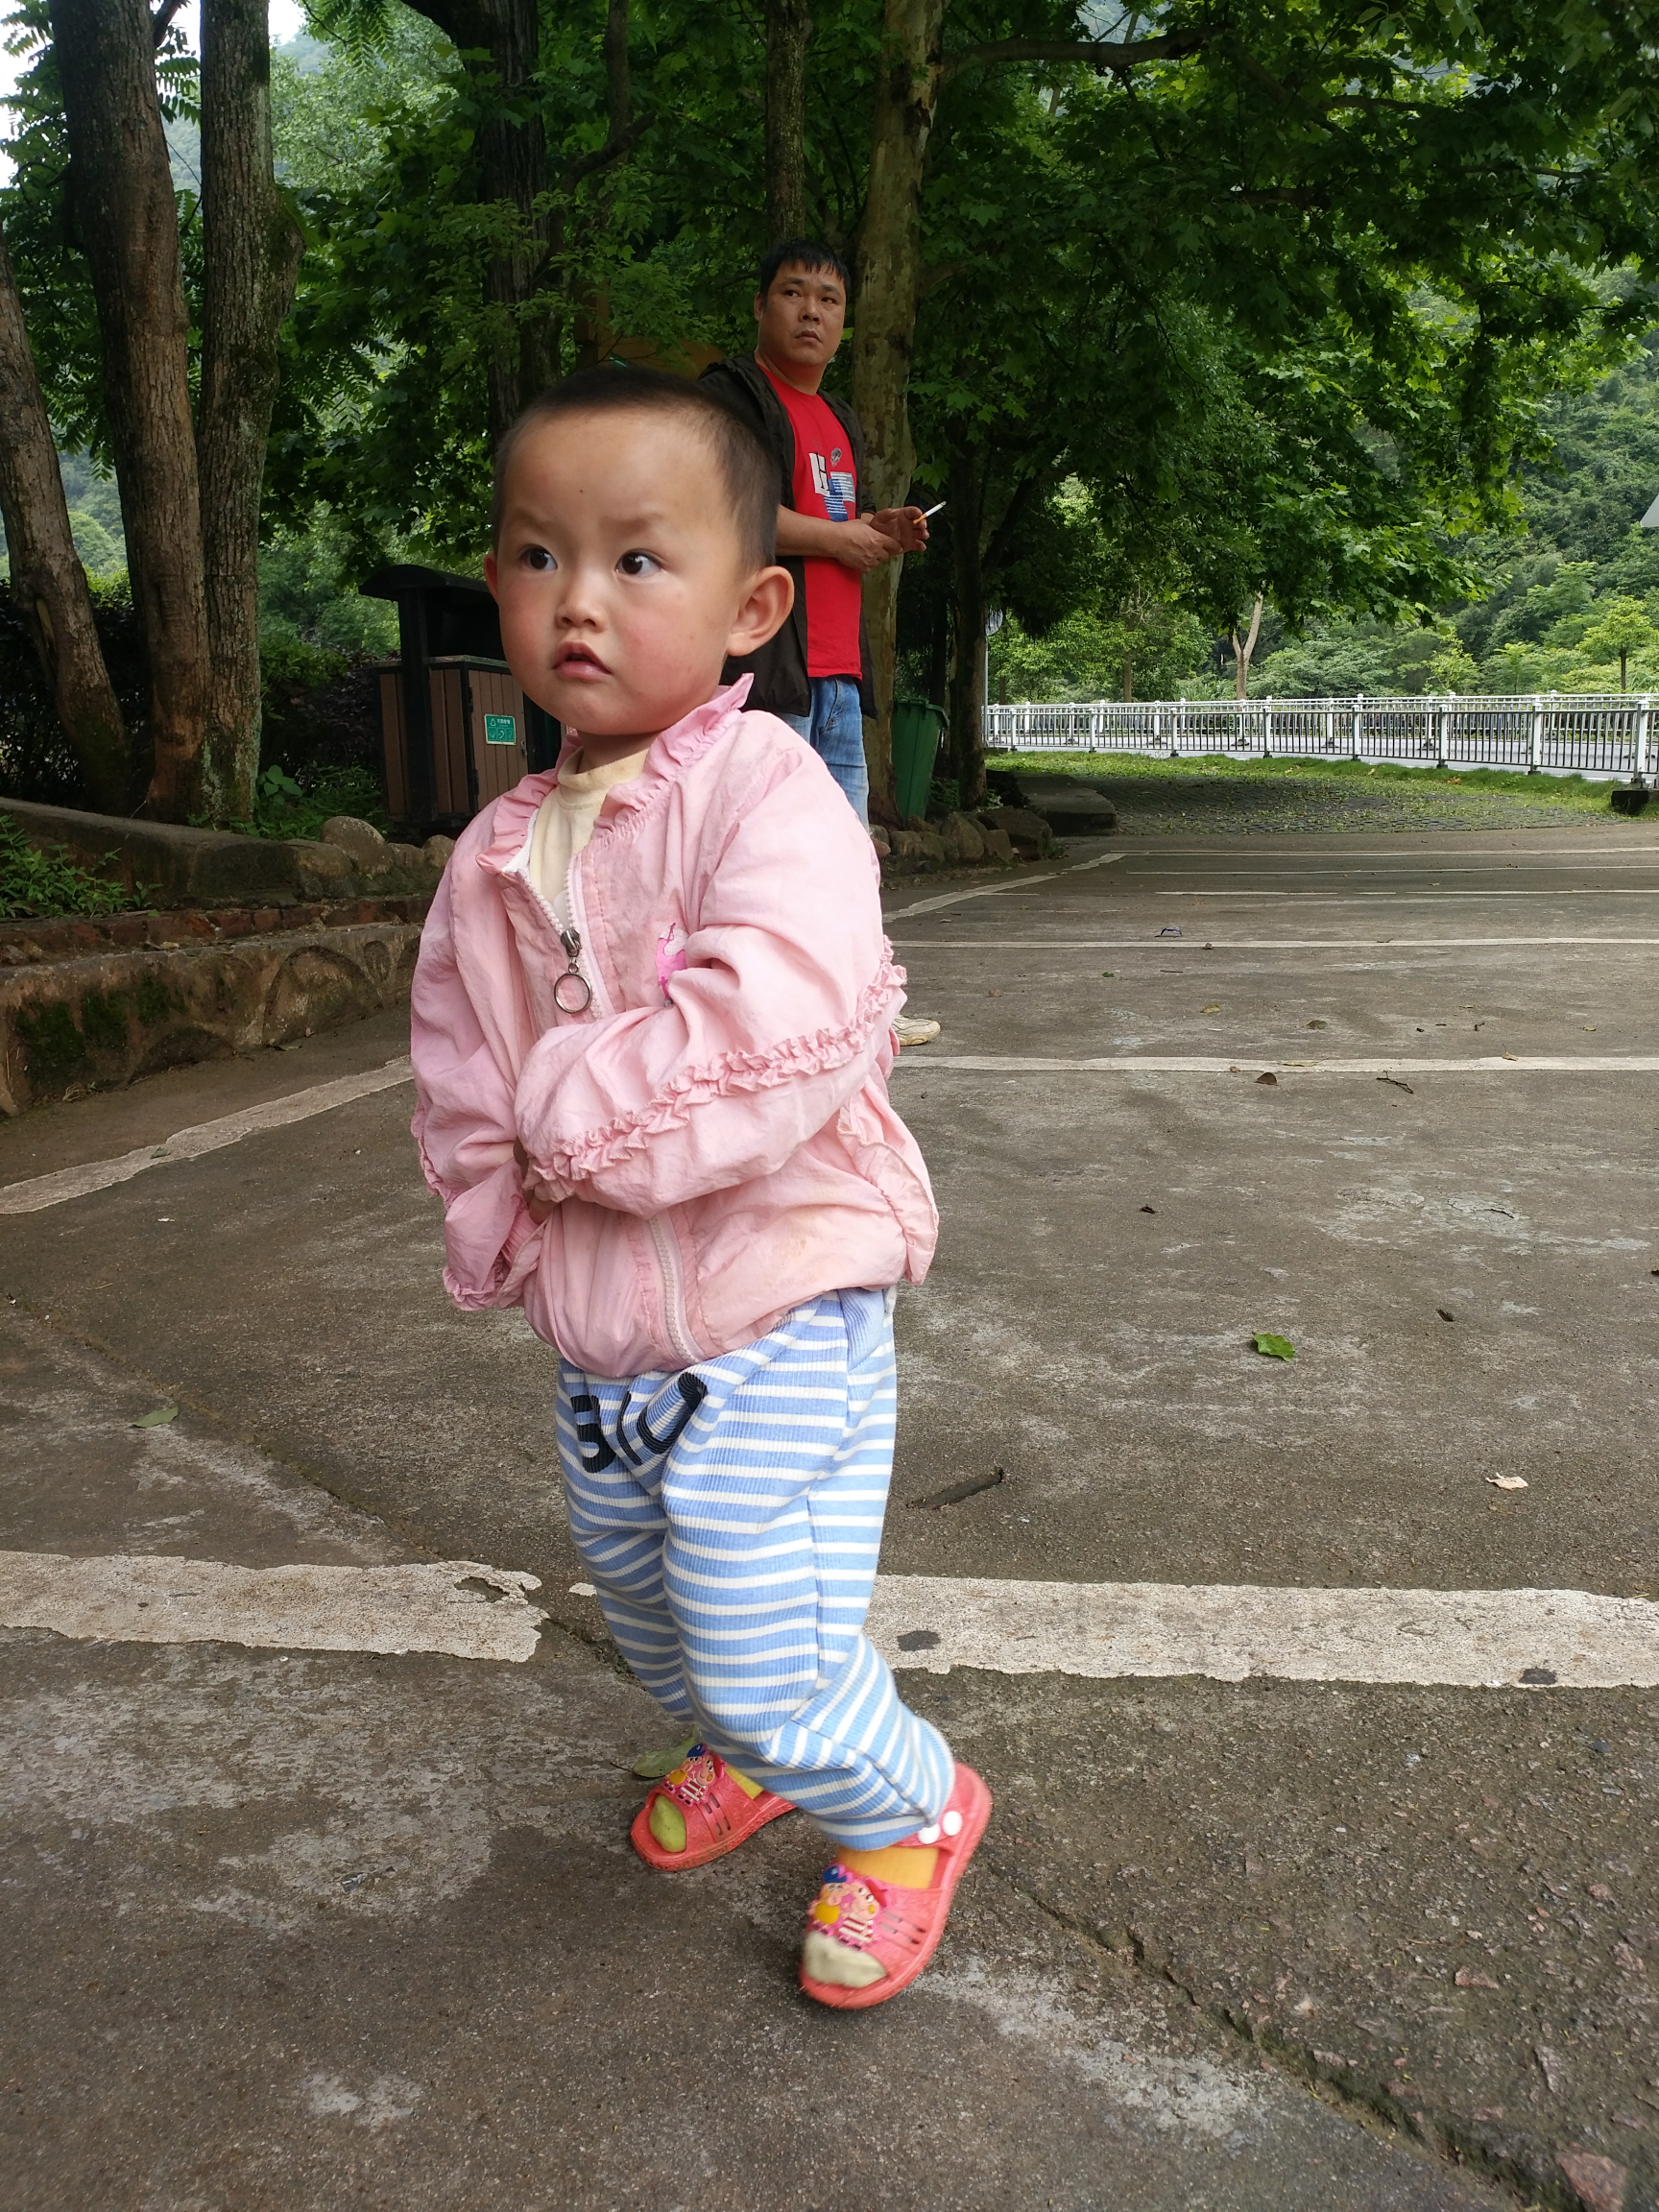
(672, 1283)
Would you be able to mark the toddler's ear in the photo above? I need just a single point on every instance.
(762, 612)
(489, 573)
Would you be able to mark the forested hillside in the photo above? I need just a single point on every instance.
(1575, 579)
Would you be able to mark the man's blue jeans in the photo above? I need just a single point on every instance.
(835, 732)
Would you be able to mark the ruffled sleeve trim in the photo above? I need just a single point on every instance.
(573, 1161)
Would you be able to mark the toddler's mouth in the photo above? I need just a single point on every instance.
(578, 661)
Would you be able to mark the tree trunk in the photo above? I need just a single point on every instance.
(1128, 674)
(966, 701)
(121, 199)
(513, 167)
(48, 582)
(1244, 651)
(884, 323)
(251, 250)
(788, 34)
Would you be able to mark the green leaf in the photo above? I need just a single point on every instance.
(652, 1766)
(1274, 1346)
(158, 1419)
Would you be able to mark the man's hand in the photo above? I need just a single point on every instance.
(863, 545)
(906, 526)
(538, 1204)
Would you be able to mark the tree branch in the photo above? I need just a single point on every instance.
(162, 18)
(612, 150)
(1105, 54)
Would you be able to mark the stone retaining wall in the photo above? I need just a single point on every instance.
(89, 1004)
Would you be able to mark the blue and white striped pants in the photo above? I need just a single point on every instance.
(731, 1518)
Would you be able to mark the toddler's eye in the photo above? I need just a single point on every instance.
(538, 558)
(639, 563)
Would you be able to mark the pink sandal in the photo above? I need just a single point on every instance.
(719, 1812)
(897, 1929)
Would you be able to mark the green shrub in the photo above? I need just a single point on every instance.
(41, 883)
(286, 805)
(290, 662)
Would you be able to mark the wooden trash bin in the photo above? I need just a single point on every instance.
(456, 729)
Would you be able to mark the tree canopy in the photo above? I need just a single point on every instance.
(1179, 310)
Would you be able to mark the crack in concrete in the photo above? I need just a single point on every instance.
(1368, 2104)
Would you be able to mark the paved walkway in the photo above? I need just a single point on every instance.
(292, 1927)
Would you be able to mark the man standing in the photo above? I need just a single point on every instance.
(815, 673)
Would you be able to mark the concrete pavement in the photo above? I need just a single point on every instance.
(287, 1929)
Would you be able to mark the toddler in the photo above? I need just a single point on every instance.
(652, 1032)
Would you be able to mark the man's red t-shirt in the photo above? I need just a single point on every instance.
(826, 484)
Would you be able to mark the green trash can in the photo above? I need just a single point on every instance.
(917, 728)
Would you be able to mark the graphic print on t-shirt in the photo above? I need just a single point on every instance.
(836, 486)
(825, 483)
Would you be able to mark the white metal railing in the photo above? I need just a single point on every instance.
(1594, 733)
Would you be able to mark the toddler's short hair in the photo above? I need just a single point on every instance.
(750, 473)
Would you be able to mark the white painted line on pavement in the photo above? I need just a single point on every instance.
(995, 890)
(1463, 1639)
(453, 1605)
(1407, 863)
(1426, 897)
(921, 1058)
(1470, 1639)
(41, 1191)
(1298, 841)
(1157, 943)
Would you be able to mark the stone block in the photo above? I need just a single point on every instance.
(320, 868)
(436, 852)
(1027, 832)
(361, 842)
(963, 839)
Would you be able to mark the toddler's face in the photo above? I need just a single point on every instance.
(621, 581)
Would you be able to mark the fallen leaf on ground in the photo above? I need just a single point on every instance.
(1507, 1481)
(158, 1419)
(1274, 1346)
(652, 1766)
(1268, 1078)
(1444, 1314)
(1397, 1083)
(1211, 1009)
(1148, 1209)
(1471, 1978)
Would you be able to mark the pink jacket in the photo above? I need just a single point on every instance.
(715, 1125)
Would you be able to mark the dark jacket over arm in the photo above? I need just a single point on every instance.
(780, 669)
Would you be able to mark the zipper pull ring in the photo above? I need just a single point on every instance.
(572, 994)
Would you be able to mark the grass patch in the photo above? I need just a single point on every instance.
(1579, 793)
(42, 884)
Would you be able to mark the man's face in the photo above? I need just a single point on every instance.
(802, 317)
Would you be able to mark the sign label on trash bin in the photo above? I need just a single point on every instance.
(500, 730)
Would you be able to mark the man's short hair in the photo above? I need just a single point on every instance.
(750, 473)
(802, 254)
